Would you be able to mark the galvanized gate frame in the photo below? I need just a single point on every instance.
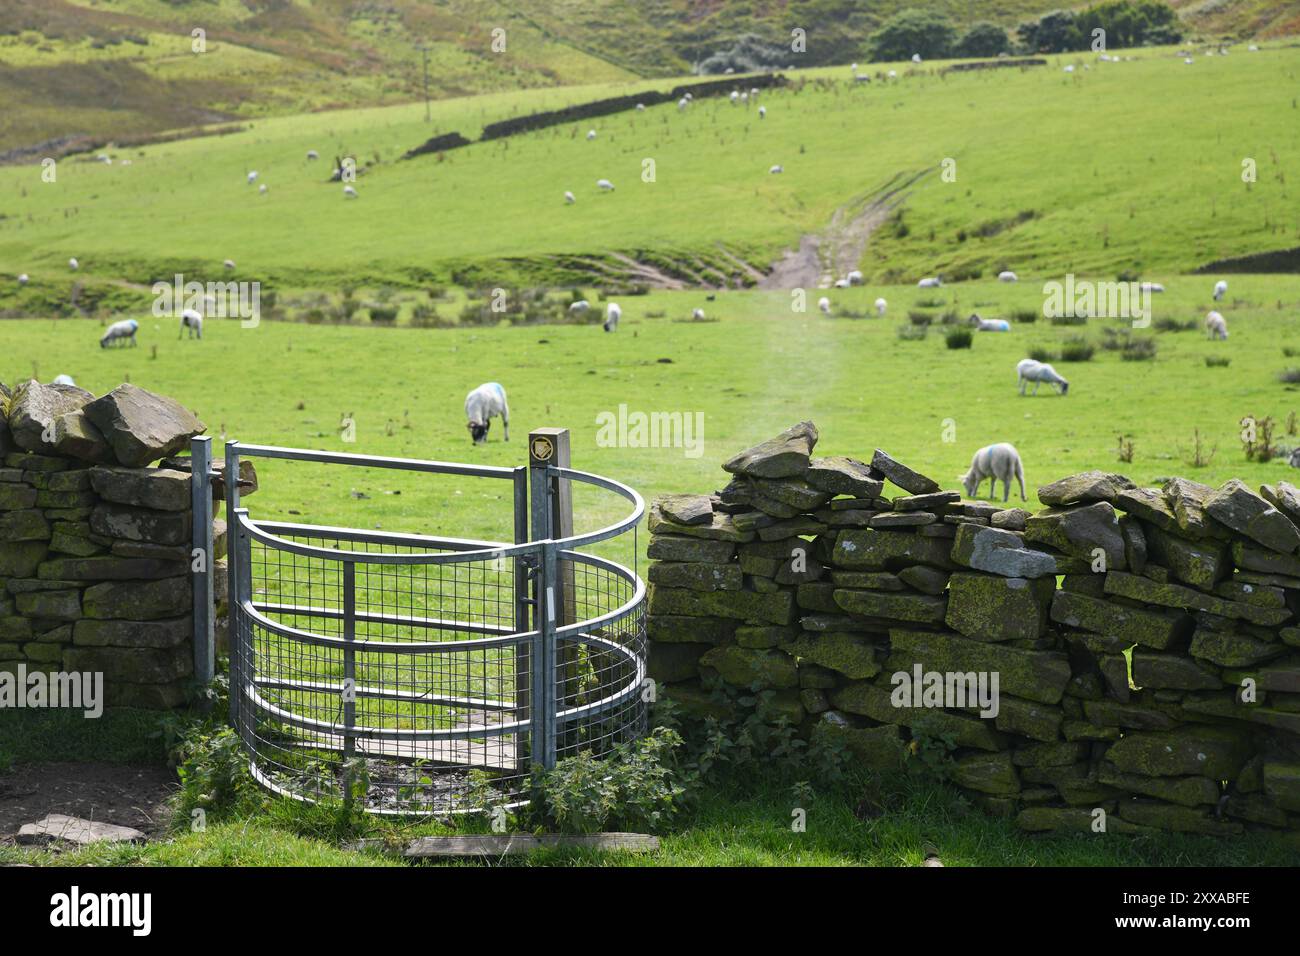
(546, 632)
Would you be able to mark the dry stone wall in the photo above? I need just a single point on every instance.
(95, 544)
(1125, 655)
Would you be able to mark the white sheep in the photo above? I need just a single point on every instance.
(640, 107)
(734, 97)
(263, 188)
(486, 402)
(349, 192)
(892, 74)
(252, 177)
(73, 264)
(916, 58)
(312, 154)
(854, 277)
(591, 134)
(64, 379)
(1151, 287)
(605, 184)
(1030, 370)
(579, 307)
(697, 315)
(1216, 325)
(1069, 69)
(989, 325)
(930, 282)
(1000, 462)
(569, 198)
(762, 112)
(192, 322)
(824, 304)
(612, 314)
(1008, 276)
(120, 332)
(682, 104)
(842, 283)
(777, 169)
(1220, 289)
(22, 279)
(880, 306)
(229, 263)
(853, 67)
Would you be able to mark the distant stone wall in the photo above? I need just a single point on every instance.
(95, 545)
(1156, 686)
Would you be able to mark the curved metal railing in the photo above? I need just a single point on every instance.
(417, 673)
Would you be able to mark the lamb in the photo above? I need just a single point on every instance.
(1216, 326)
(880, 306)
(605, 184)
(349, 192)
(1029, 370)
(481, 406)
(930, 282)
(762, 112)
(582, 305)
(824, 304)
(1220, 289)
(570, 198)
(989, 325)
(120, 332)
(1008, 276)
(192, 322)
(612, 314)
(995, 462)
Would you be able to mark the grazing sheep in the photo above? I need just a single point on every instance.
(582, 305)
(682, 104)
(1008, 276)
(880, 306)
(698, 315)
(916, 58)
(120, 332)
(612, 314)
(1029, 370)
(777, 169)
(1151, 287)
(22, 279)
(1000, 462)
(192, 322)
(734, 97)
(1220, 289)
(1216, 325)
(229, 263)
(481, 406)
(605, 184)
(640, 107)
(989, 325)
(892, 74)
(591, 134)
(824, 304)
(569, 198)
(762, 112)
(930, 282)
(252, 177)
(73, 264)
(854, 277)
(690, 97)
(853, 67)
(1069, 69)
(312, 154)
(263, 188)
(1189, 61)
(349, 192)
(841, 283)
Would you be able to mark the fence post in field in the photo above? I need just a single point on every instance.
(202, 550)
(555, 668)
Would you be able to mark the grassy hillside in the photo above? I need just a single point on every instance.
(108, 69)
(1116, 166)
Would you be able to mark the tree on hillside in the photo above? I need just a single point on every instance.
(1055, 32)
(749, 54)
(912, 31)
(983, 39)
(1131, 22)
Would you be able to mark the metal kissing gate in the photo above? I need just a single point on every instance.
(410, 673)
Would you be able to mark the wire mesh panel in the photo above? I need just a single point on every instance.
(415, 674)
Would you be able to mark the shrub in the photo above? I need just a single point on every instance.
(1173, 325)
(1217, 361)
(919, 318)
(1027, 316)
(1076, 350)
(951, 317)
(912, 333)
(749, 54)
(1289, 376)
(913, 31)
(1139, 350)
(1042, 355)
(958, 338)
(1069, 320)
(983, 39)
(1290, 351)
(383, 314)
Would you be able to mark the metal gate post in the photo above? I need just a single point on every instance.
(236, 556)
(349, 677)
(545, 445)
(201, 581)
(523, 603)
